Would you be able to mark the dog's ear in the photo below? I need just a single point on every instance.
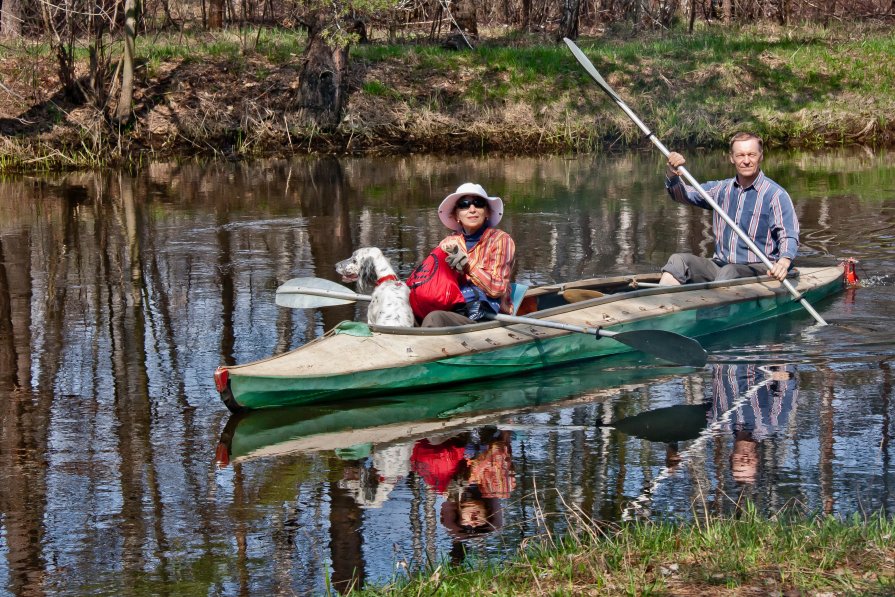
(366, 275)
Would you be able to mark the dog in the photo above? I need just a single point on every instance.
(391, 297)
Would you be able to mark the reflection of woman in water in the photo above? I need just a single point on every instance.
(438, 460)
(474, 470)
(487, 476)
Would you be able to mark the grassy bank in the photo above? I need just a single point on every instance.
(233, 94)
(747, 555)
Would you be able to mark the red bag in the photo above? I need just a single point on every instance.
(433, 285)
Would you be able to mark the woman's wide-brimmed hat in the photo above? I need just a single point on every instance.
(446, 209)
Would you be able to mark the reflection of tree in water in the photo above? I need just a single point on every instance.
(345, 539)
(91, 247)
(325, 206)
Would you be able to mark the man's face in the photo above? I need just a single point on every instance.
(746, 156)
(744, 461)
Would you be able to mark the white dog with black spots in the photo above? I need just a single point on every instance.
(373, 272)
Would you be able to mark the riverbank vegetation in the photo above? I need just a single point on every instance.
(747, 554)
(115, 85)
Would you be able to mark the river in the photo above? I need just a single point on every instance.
(121, 471)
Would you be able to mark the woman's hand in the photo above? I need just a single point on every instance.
(452, 245)
(456, 254)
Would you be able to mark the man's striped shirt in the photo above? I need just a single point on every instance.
(763, 210)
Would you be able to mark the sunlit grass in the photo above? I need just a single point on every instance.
(787, 552)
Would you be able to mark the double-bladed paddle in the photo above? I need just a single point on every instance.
(592, 71)
(307, 293)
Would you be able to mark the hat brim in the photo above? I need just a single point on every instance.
(446, 210)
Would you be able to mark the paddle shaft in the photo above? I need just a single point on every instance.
(568, 327)
(592, 71)
(347, 296)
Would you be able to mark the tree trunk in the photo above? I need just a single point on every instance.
(692, 15)
(215, 14)
(526, 15)
(783, 13)
(728, 10)
(634, 13)
(568, 23)
(10, 18)
(667, 8)
(126, 99)
(464, 25)
(465, 17)
(323, 77)
(830, 12)
(605, 11)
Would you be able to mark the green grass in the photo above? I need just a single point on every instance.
(788, 552)
(378, 89)
(697, 88)
(802, 87)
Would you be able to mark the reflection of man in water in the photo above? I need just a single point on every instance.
(755, 404)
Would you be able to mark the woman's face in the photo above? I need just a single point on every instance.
(473, 513)
(472, 212)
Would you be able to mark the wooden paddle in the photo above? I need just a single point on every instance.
(306, 293)
(586, 63)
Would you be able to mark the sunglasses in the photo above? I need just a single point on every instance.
(465, 202)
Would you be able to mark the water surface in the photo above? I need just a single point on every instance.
(120, 469)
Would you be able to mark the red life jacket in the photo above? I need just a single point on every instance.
(433, 285)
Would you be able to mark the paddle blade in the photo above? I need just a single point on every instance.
(665, 345)
(591, 70)
(303, 293)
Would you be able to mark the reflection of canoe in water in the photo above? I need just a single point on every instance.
(669, 424)
(353, 360)
(406, 417)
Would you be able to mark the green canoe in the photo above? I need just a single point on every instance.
(355, 360)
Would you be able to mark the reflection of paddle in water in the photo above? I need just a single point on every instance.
(669, 424)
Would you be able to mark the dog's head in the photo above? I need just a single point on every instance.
(364, 267)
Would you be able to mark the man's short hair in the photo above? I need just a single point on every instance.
(742, 136)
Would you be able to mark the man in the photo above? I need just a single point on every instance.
(759, 206)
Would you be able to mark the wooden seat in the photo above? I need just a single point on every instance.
(576, 295)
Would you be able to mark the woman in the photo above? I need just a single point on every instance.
(482, 256)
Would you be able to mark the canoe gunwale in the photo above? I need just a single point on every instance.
(603, 300)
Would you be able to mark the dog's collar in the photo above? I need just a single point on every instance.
(385, 279)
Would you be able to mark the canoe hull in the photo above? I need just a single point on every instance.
(389, 361)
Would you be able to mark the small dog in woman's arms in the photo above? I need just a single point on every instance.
(373, 272)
